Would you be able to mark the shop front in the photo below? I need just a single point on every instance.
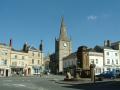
(17, 71)
(37, 70)
(4, 72)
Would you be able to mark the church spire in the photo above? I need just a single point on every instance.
(63, 31)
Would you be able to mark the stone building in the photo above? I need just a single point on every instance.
(53, 64)
(62, 47)
(5, 69)
(47, 63)
(83, 61)
(28, 61)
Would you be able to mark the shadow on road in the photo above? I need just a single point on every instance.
(111, 85)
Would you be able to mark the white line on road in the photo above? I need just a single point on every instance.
(19, 85)
(14, 85)
(7, 80)
(32, 87)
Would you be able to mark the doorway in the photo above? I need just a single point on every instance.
(7, 73)
(29, 71)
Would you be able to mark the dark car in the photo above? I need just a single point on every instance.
(109, 74)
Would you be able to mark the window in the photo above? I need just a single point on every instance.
(92, 61)
(15, 56)
(96, 61)
(23, 57)
(112, 61)
(65, 65)
(23, 63)
(5, 62)
(14, 63)
(68, 63)
(34, 70)
(38, 61)
(108, 61)
(115, 54)
(32, 61)
(108, 69)
(98, 70)
(107, 53)
(116, 61)
(72, 62)
(6, 53)
(38, 54)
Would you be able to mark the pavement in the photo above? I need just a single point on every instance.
(54, 82)
(32, 83)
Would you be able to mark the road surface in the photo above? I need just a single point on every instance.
(53, 82)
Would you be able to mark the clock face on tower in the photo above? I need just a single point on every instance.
(65, 44)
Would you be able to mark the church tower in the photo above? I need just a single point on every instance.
(62, 47)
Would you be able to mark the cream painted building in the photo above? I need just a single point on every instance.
(97, 59)
(111, 59)
(20, 62)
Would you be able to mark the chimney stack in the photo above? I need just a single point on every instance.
(41, 46)
(10, 44)
(107, 43)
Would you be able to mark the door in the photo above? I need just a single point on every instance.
(6, 73)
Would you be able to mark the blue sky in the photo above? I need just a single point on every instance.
(88, 22)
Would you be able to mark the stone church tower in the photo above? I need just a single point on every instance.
(62, 47)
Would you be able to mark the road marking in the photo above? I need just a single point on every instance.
(14, 85)
(25, 86)
(7, 80)
(19, 85)
(41, 88)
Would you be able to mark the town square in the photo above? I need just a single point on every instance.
(59, 45)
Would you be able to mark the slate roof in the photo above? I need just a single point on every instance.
(72, 55)
(32, 48)
(3, 44)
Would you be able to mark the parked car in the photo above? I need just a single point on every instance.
(110, 74)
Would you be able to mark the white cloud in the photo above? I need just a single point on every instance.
(92, 17)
